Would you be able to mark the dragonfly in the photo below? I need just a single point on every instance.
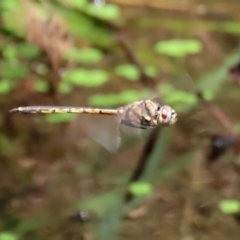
(143, 114)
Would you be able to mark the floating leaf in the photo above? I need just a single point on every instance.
(140, 188)
(129, 71)
(88, 78)
(7, 236)
(124, 97)
(86, 56)
(178, 47)
(5, 86)
(104, 100)
(183, 97)
(60, 118)
(229, 206)
(130, 96)
(180, 100)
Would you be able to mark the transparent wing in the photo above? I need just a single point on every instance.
(102, 129)
(131, 120)
(105, 131)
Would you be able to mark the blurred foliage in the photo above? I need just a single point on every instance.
(61, 52)
(123, 97)
(81, 23)
(140, 188)
(230, 206)
(7, 236)
(58, 118)
(84, 77)
(128, 71)
(5, 86)
(41, 86)
(85, 56)
(179, 48)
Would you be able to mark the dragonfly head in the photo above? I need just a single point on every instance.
(166, 116)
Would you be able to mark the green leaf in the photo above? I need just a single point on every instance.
(84, 26)
(28, 51)
(14, 70)
(151, 71)
(128, 71)
(65, 87)
(128, 96)
(5, 86)
(230, 27)
(41, 86)
(183, 97)
(8, 4)
(14, 11)
(88, 78)
(140, 188)
(105, 100)
(106, 12)
(208, 95)
(86, 56)
(60, 117)
(12, 52)
(7, 236)
(180, 100)
(9, 52)
(229, 206)
(178, 47)
(77, 4)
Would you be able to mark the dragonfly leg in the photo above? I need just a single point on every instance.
(132, 124)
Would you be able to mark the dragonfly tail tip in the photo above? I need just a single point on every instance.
(14, 110)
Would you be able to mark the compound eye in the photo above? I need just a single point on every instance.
(164, 114)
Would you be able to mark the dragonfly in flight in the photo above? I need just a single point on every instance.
(142, 114)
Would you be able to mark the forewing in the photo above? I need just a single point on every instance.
(101, 128)
(105, 132)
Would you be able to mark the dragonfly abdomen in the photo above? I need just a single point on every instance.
(67, 109)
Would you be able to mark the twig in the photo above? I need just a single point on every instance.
(150, 144)
(140, 168)
(144, 78)
(217, 112)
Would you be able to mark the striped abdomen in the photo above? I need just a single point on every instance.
(56, 109)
